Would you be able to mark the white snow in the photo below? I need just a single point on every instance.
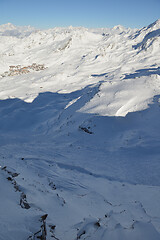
(80, 139)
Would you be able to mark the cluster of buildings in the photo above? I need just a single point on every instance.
(18, 69)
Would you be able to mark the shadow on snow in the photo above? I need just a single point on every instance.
(143, 72)
(120, 148)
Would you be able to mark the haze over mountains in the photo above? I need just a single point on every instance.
(80, 138)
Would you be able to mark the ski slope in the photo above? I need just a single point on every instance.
(80, 138)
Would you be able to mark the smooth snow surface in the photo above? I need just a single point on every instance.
(80, 138)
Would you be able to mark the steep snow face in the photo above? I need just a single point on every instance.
(80, 139)
(151, 36)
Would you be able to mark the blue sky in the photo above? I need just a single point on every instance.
(87, 13)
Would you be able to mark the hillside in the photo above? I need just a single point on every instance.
(80, 138)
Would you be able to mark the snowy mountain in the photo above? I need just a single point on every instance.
(150, 35)
(80, 138)
(11, 30)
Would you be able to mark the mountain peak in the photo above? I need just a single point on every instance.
(10, 29)
(7, 26)
(155, 25)
(119, 28)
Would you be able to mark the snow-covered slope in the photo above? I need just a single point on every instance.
(80, 138)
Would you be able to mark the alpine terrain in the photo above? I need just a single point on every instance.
(80, 133)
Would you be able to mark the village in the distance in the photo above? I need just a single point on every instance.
(18, 69)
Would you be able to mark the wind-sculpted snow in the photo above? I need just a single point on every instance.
(80, 139)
